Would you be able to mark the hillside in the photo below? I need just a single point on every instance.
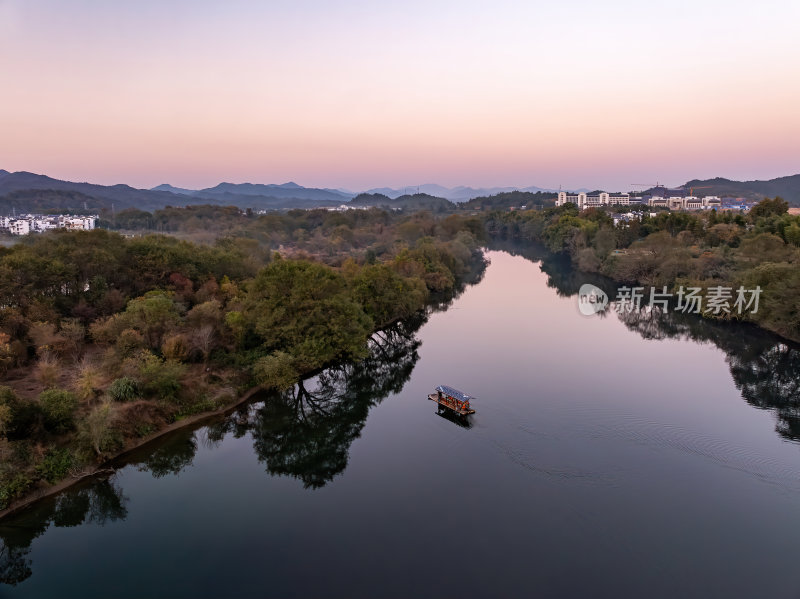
(417, 201)
(786, 187)
(284, 191)
(462, 193)
(30, 192)
(26, 191)
(49, 201)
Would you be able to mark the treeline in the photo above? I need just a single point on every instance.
(309, 229)
(512, 199)
(326, 235)
(105, 340)
(692, 249)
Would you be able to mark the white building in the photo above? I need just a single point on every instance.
(594, 201)
(81, 223)
(19, 227)
(686, 202)
(37, 223)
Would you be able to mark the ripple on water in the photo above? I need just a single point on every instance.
(660, 435)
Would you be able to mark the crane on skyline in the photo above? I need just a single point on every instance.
(691, 189)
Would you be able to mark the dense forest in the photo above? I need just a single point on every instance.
(106, 339)
(673, 249)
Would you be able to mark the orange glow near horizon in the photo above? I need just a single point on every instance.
(333, 94)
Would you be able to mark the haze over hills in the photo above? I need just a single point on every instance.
(291, 190)
(461, 193)
(416, 201)
(23, 191)
(29, 192)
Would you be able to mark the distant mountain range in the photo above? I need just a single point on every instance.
(29, 192)
(257, 190)
(25, 192)
(454, 194)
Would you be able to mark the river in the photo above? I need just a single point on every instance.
(636, 456)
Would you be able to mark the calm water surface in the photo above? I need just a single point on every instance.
(647, 458)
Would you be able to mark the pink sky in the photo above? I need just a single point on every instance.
(356, 95)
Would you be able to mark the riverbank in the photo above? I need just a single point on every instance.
(759, 250)
(133, 417)
(107, 467)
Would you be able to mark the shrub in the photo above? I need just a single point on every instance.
(160, 378)
(55, 465)
(73, 334)
(175, 347)
(47, 370)
(96, 434)
(124, 389)
(129, 342)
(5, 419)
(87, 381)
(13, 488)
(58, 407)
(22, 415)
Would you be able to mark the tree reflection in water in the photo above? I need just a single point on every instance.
(306, 432)
(98, 502)
(171, 457)
(764, 367)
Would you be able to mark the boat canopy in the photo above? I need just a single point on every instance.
(455, 393)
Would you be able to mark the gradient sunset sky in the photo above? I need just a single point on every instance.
(363, 94)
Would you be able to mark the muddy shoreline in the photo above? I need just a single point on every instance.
(110, 465)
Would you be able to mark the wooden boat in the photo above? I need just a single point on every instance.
(452, 399)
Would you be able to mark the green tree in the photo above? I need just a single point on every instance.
(58, 407)
(769, 207)
(304, 309)
(275, 371)
(385, 295)
(153, 314)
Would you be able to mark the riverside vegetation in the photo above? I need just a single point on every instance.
(693, 249)
(105, 340)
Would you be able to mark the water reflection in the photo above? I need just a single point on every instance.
(172, 456)
(462, 421)
(764, 367)
(306, 432)
(99, 502)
